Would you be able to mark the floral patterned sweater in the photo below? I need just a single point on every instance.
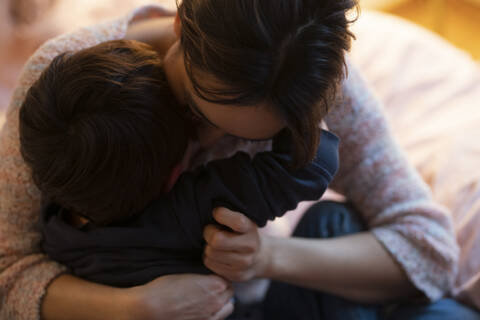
(374, 175)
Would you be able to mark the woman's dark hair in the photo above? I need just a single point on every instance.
(101, 130)
(286, 53)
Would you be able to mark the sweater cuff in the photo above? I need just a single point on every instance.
(25, 297)
(432, 277)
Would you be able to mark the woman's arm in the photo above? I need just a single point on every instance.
(411, 242)
(69, 297)
(170, 297)
(158, 33)
(25, 272)
(356, 267)
(396, 204)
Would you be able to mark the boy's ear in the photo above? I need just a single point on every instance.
(177, 25)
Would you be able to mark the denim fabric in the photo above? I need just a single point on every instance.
(284, 301)
(445, 309)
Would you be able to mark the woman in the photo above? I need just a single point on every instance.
(244, 70)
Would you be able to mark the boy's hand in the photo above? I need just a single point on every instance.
(238, 255)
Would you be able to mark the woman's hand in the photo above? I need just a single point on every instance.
(185, 297)
(182, 297)
(237, 255)
(345, 262)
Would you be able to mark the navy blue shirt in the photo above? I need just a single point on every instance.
(167, 238)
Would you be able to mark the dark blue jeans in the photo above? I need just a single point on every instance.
(284, 301)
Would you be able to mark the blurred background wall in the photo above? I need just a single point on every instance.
(25, 24)
(456, 20)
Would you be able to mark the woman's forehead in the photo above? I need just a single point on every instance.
(247, 121)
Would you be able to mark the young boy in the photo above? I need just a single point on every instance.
(103, 135)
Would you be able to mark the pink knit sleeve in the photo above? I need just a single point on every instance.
(25, 272)
(394, 201)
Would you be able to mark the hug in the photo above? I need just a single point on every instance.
(140, 157)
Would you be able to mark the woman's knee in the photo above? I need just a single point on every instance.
(329, 219)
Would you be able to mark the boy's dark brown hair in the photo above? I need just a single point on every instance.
(101, 130)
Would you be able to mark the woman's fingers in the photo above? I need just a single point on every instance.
(226, 295)
(224, 312)
(220, 298)
(230, 272)
(234, 255)
(220, 239)
(230, 259)
(236, 221)
(184, 296)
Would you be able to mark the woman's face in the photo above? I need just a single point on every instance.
(213, 121)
